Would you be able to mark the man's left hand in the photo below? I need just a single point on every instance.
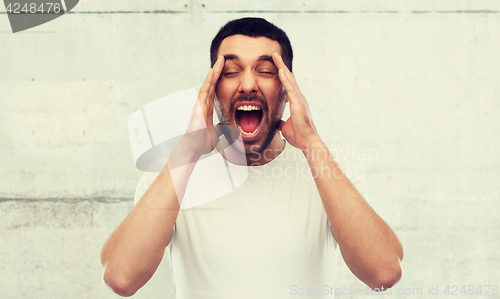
(299, 129)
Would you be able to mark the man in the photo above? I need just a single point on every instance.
(274, 234)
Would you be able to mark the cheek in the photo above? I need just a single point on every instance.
(271, 88)
(218, 90)
(225, 90)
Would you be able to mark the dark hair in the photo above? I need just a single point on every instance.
(253, 27)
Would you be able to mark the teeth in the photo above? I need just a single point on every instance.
(248, 108)
(248, 134)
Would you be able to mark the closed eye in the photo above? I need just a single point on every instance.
(267, 73)
(230, 74)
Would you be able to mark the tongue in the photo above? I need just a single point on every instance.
(249, 121)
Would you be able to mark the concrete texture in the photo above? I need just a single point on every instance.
(414, 84)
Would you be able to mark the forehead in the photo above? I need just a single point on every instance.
(248, 48)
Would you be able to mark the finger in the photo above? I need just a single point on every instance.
(210, 83)
(289, 86)
(286, 74)
(207, 97)
(287, 78)
(204, 108)
(217, 70)
(202, 95)
(278, 62)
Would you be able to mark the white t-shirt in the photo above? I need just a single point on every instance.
(267, 238)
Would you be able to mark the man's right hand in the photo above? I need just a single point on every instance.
(201, 136)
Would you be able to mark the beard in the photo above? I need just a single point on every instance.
(270, 123)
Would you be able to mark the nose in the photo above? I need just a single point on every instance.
(248, 83)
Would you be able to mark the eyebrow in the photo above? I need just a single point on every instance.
(261, 58)
(266, 58)
(231, 57)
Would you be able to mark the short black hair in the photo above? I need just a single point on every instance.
(253, 27)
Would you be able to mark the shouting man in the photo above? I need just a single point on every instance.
(274, 234)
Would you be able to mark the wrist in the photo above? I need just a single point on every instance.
(182, 156)
(320, 160)
(316, 150)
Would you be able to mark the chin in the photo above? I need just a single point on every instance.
(258, 147)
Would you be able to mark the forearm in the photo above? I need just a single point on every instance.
(369, 246)
(132, 253)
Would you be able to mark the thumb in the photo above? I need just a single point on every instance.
(218, 130)
(282, 123)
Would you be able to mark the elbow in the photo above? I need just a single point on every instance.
(119, 284)
(387, 278)
(389, 275)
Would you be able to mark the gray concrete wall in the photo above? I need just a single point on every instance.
(415, 84)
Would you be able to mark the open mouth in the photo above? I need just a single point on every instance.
(248, 118)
